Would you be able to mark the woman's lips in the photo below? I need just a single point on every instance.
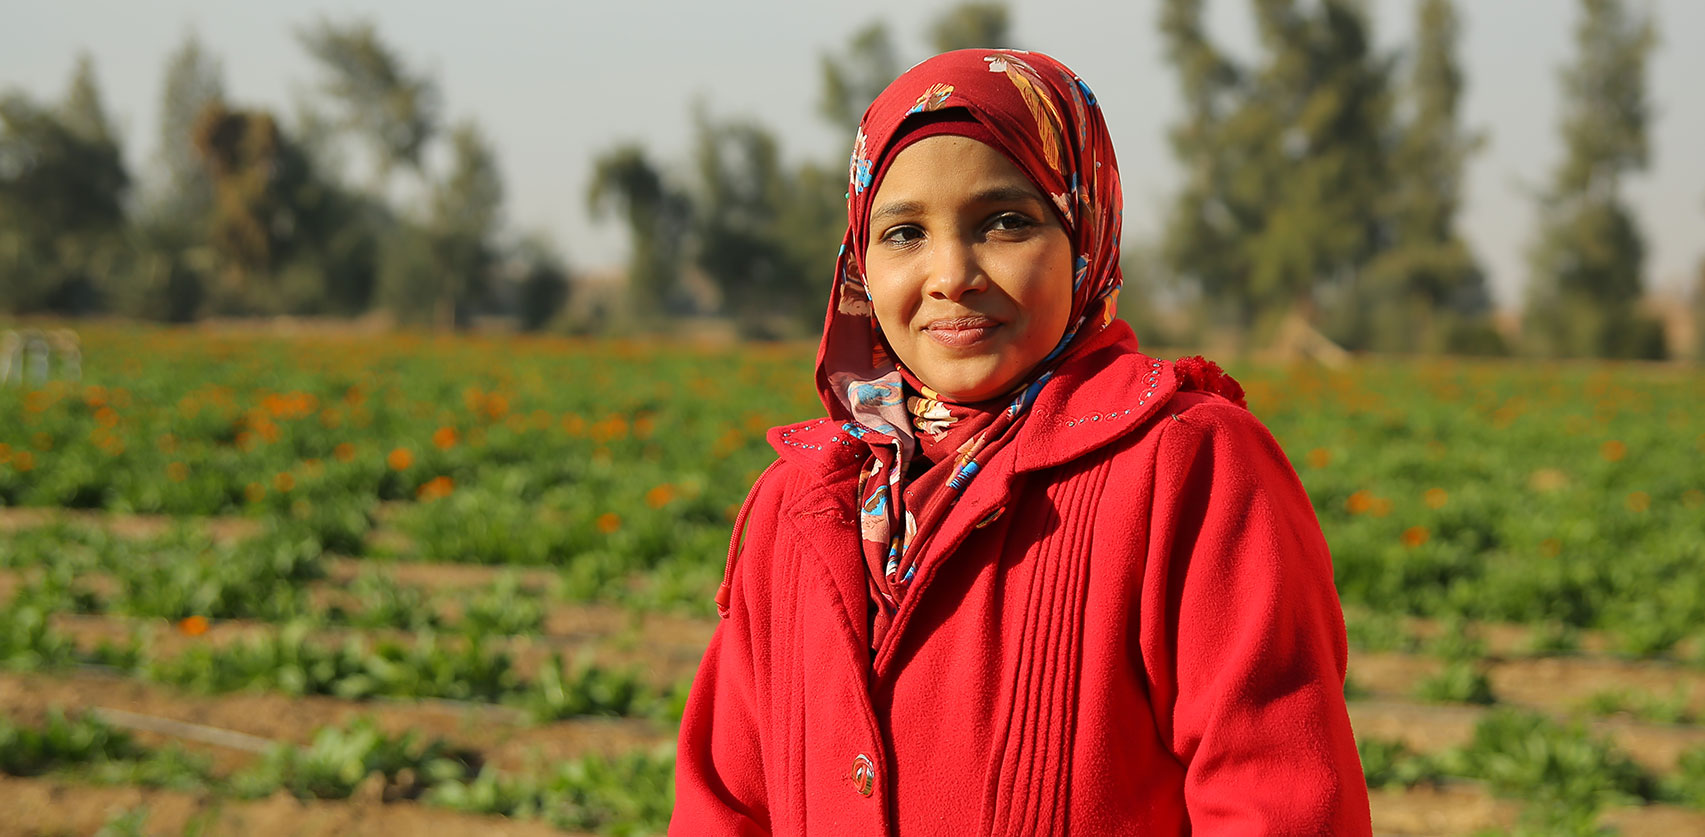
(961, 332)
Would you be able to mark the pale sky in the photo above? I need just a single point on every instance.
(555, 83)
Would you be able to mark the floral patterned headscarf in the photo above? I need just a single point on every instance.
(1045, 119)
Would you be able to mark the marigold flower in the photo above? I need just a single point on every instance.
(435, 488)
(192, 625)
(284, 482)
(660, 496)
(1639, 501)
(254, 492)
(444, 438)
(1359, 502)
(399, 459)
(344, 452)
(1415, 536)
(1319, 458)
(609, 522)
(1613, 451)
(1436, 498)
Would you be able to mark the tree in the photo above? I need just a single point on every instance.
(1425, 290)
(466, 210)
(971, 25)
(853, 79)
(658, 216)
(1207, 224)
(1285, 162)
(193, 82)
(62, 188)
(1589, 256)
(395, 110)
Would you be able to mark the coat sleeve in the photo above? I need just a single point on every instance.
(1242, 634)
(719, 770)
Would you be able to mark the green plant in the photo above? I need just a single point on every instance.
(1390, 763)
(341, 758)
(630, 794)
(1529, 755)
(1459, 681)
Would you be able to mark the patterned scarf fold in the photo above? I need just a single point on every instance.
(925, 451)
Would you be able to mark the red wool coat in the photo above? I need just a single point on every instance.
(1127, 626)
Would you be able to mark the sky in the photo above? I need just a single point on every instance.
(555, 82)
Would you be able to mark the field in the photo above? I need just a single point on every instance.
(380, 585)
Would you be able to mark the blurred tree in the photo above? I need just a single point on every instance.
(394, 110)
(1425, 291)
(658, 216)
(749, 215)
(1589, 255)
(255, 172)
(62, 188)
(541, 283)
(1285, 163)
(853, 78)
(971, 25)
(1209, 220)
(466, 210)
(193, 81)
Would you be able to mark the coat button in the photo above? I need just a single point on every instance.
(863, 775)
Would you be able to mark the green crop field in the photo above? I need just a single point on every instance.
(373, 585)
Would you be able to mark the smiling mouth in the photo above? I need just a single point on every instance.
(961, 332)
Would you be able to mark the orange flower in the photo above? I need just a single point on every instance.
(344, 452)
(284, 482)
(1359, 502)
(23, 461)
(1319, 458)
(192, 625)
(177, 472)
(1639, 501)
(1613, 451)
(608, 523)
(660, 496)
(399, 459)
(1415, 536)
(1380, 508)
(435, 488)
(444, 438)
(1437, 497)
(254, 492)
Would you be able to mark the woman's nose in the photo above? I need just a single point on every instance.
(954, 269)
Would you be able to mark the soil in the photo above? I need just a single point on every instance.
(667, 649)
(52, 807)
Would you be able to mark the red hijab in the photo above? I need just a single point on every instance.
(1045, 119)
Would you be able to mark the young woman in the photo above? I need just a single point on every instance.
(1022, 579)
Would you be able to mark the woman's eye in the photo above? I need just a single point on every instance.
(902, 235)
(1010, 221)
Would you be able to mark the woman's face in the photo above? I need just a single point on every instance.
(969, 270)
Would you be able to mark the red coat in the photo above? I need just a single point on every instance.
(1127, 626)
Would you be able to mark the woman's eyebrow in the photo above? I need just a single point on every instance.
(1003, 194)
(993, 194)
(895, 208)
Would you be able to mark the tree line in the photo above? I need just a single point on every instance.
(1321, 182)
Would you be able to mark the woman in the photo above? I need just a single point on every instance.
(1022, 579)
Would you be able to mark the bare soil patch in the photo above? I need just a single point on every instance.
(501, 737)
(47, 806)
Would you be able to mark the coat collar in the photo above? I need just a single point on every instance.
(1100, 394)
